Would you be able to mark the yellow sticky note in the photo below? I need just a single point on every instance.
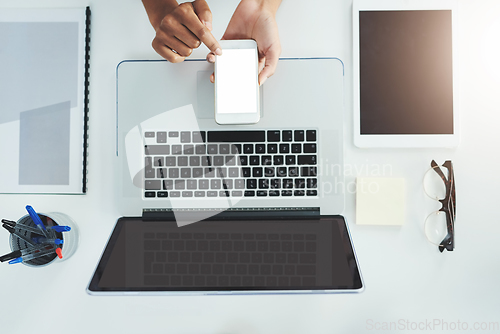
(380, 201)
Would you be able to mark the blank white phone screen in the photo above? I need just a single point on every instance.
(237, 81)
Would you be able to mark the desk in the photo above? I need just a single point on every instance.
(409, 285)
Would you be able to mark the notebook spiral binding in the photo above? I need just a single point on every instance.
(86, 99)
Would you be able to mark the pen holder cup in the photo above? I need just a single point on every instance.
(70, 238)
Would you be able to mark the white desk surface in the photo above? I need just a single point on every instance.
(409, 284)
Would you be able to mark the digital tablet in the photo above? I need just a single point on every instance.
(228, 254)
(404, 73)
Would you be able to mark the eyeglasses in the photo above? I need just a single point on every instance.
(439, 184)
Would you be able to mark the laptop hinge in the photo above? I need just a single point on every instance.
(239, 213)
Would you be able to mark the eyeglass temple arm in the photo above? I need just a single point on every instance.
(450, 195)
(448, 240)
(451, 186)
(438, 170)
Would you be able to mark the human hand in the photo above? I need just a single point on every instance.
(255, 19)
(181, 28)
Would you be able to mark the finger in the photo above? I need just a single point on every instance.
(262, 63)
(211, 57)
(180, 47)
(174, 44)
(272, 58)
(187, 37)
(172, 31)
(166, 52)
(203, 11)
(193, 23)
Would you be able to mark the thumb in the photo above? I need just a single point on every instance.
(203, 11)
(271, 61)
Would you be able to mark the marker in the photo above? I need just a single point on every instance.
(56, 228)
(20, 236)
(32, 256)
(43, 240)
(36, 219)
(22, 252)
(9, 222)
(27, 228)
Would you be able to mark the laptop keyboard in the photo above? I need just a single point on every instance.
(260, 163)
(229, 259)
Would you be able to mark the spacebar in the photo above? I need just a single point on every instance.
(236, 136)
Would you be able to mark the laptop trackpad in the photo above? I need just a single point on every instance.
(205, 98)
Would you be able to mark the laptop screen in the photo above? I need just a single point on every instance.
(237, 255)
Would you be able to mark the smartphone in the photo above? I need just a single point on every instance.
(237, 83)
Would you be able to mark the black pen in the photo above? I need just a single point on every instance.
(28, 228)
(22, 252)
(32, 256)
(9, 222)
(14, 232)
(21, 227)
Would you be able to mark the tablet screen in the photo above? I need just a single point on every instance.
(231, 255)
(406, 82)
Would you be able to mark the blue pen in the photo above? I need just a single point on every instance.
(43, 240)
(53, 229)
(51, 233)
(32, 256)
(38, 222)
(59, 228)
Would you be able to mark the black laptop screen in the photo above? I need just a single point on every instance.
(235, 255)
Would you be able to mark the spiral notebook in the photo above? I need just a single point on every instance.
(44, 61)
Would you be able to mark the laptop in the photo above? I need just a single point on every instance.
(190, 182)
